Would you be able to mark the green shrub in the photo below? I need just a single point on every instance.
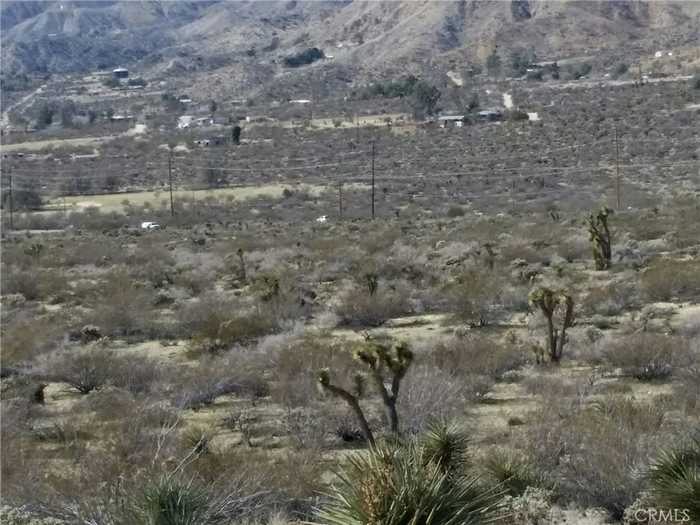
(512, 472)
(171, 501)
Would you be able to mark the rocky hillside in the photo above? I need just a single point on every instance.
(246, 42)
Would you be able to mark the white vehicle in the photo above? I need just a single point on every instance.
(322, 219)
(150, 226)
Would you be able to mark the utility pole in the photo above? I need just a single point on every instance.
(372, 179)
(340, 199)
(170, 181)
(12, 205)
(617, 168)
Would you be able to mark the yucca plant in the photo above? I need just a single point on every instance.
(511, 471)
(445, 446)
(675, 479)
(169, 500)
(418, 482)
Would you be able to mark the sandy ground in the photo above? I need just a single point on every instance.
(113, 202)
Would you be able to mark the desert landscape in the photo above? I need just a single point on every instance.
(350, 263)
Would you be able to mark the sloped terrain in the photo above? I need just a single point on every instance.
(369, 38)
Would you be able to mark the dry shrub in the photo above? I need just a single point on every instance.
(87, 252)
(473, 296)
(646, 356)
(357, 307)
(121, 307)
(238, 330)
(36, 284)
(25, 282)
(429, 394)
(25, 337)
(666, 279)
(575, 246)
(595, 454)
(688, 388)
(295, 364)
(196, 280)
(236, 373)
(85, 369)
(476, 354)
(92, 367)
(610, 299)
(527, 251)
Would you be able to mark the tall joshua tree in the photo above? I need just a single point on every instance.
(386, 367)
(554, 304)
(600, 238)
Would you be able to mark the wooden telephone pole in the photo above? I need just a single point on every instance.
(617, 168)
(12, 204)
(170, 181)
(372, 179)
(340, 200)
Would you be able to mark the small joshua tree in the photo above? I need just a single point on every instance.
(241, 263)
(372, 282)
(554, 304)
(384, 364)
(600, 238)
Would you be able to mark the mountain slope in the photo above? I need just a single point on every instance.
(248, 40)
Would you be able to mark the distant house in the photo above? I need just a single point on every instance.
(216, 140)
(451, 120)
(120, 73)
(490, 115)
(185, 121)
(119, 118)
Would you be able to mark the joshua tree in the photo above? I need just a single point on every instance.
(553, 304)
(236, 135)
(600, 238)
(241, 263)
(384, 364)
(372, 281)
(352, 399)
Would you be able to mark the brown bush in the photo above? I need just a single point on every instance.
(25, 337)
(430, 394)
(357, 307)
(121, 307)
(294, 366)
(666, 279)
(475, 354)
(474, 295)
(646, 356)
(594, 453)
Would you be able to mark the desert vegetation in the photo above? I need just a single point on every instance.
(478, 333)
